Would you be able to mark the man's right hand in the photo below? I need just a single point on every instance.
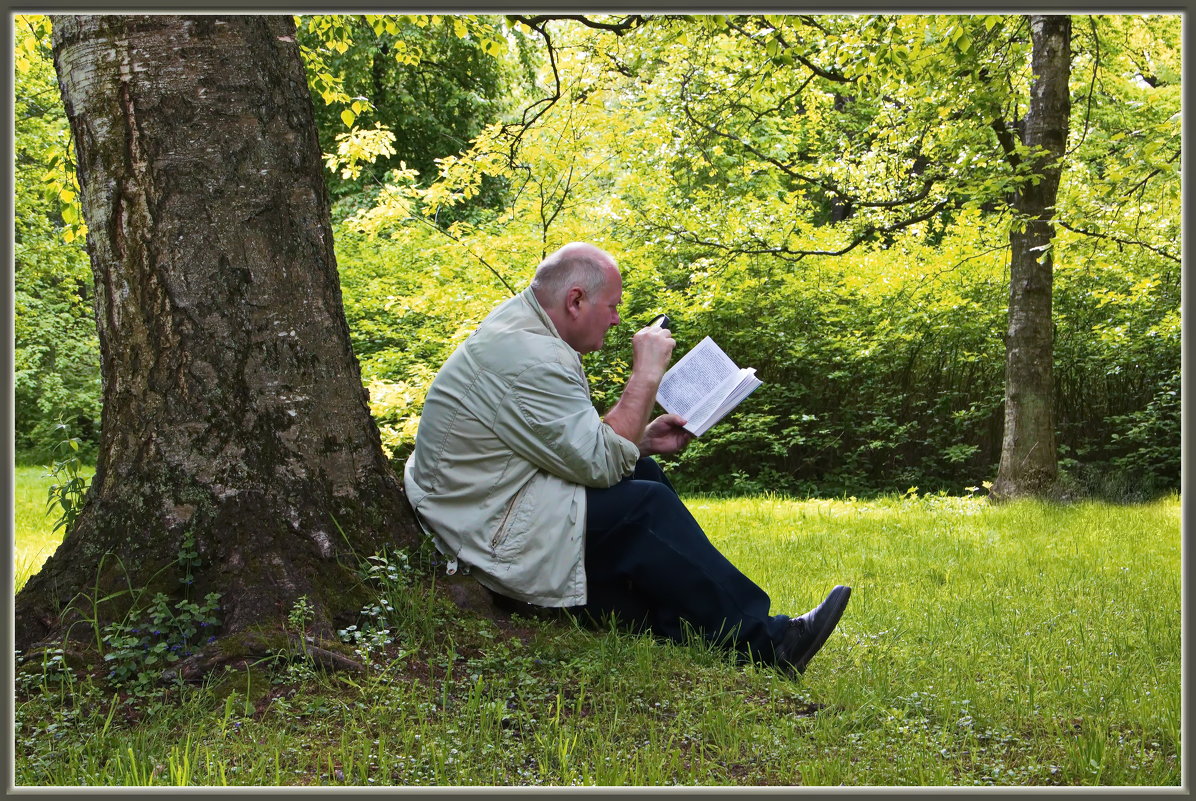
(651, 349)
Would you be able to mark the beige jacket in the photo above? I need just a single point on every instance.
(508, 441)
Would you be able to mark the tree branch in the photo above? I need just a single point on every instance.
(763, 248)
(486, 264)
(785, 168)
(625, 25)
(1091, 87)
(830, 75)
(1006, 140)
(537, 25)
(1120, 241)
(829, 187)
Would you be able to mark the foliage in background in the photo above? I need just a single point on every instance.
(724, 160)
(426, 85)
(56, 350)
(847, 236)
(408, 302)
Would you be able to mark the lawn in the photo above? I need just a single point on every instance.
(1026, 644)
(33, 524)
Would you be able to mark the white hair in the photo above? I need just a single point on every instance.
(577, 264)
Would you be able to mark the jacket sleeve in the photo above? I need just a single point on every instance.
(547, 418)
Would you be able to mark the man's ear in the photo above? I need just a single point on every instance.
(573, 298)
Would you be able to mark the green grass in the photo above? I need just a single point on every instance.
(1026, 644)
(35, 538)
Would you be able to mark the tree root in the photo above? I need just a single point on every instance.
(470, 595)
(248, 648)
(473, 597)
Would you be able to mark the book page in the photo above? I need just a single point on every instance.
(746, 385)
(694, 377)
(703, 415)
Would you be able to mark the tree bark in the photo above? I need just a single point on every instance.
(233, 408)
(1029, 461)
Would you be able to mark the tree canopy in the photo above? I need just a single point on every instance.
(827, 195)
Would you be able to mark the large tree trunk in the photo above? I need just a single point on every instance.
(233, 405)
(1029, 462)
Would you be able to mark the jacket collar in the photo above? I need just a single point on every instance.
(529, 298)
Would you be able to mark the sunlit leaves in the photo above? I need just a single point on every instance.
(1123, 178)
(433, 80)
(32, 43)
(395, 205)
(44, 139)
(359, 146)
(334, 35)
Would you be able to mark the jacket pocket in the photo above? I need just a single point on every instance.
(504, 526)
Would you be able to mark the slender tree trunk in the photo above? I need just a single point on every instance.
(1029, 462)
(233, 406)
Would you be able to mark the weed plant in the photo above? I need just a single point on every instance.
(1024, 644)
(69, 490)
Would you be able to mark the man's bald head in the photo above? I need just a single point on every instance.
(580, 289)
(578, 264)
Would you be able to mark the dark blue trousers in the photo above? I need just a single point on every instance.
(650, 565)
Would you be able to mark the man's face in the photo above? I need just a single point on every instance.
(599, 313)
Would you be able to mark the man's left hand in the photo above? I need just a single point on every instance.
(665, 435)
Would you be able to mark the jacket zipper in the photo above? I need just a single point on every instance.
(502, 527)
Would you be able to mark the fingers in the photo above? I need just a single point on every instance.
(668, 421)
(652, 347)
(655, 331)
(665, 435)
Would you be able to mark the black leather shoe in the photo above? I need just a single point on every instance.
(807, 633)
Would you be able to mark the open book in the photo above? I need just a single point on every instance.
(704, 385)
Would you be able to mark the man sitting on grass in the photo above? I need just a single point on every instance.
(516, 476)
